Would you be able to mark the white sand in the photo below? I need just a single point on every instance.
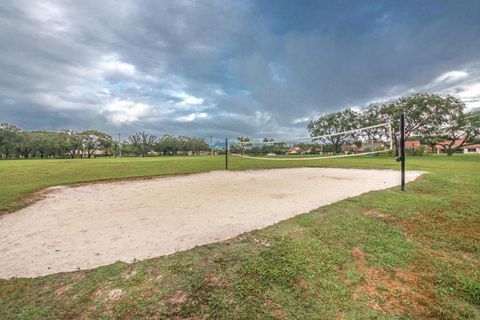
(93, 225)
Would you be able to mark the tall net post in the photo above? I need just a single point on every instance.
(226, 153)
(390, 134)
(402, 149)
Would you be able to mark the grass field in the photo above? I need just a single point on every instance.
(381, 255)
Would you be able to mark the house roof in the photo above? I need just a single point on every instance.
(472, 146)
(412, 144)
(457, 143)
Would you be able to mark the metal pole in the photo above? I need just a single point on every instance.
(402, 149)
(119, 146)
(226, 153)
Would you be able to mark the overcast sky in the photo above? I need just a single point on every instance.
(226, 68)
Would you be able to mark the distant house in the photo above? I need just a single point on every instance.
(467, 148)
(294, 150)
(371, 146)
(349, 148)
(93, 154)
(412, 144)
(472, 149)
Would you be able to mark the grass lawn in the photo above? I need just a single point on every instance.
(381, 255)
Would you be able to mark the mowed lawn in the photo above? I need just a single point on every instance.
(381, 255)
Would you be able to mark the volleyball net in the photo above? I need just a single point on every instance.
(370, 140)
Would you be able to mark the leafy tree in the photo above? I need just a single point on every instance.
(244, 142)
(267, 146)
(457, 126)
(72, 142)
(168, 144)
(93, 140)
(10, 138)
(142, 142)
(423, 113)
(333, 123)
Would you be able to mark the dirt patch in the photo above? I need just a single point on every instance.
(98, 224)
(378, 214)
(60, 291)
(179, 297)
(395, 292)
(115, 294)
(276, 310)
(175, 305)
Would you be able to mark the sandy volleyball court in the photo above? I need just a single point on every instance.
(93, 225)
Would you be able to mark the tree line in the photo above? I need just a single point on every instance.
(430, 118)
(16, 143)
(142, 143)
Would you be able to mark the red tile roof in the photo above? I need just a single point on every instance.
(412, 144)
(457, 143)
(472, 146)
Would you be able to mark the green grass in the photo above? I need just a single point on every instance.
(381, 255)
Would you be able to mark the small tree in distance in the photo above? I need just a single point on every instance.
(142, 142)
(243, 142)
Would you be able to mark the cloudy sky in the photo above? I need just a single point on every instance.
(226, 68)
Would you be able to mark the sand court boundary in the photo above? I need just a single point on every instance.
(89, 225)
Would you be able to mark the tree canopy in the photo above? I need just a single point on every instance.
(433, 119)
(333, 123)
(16, 143)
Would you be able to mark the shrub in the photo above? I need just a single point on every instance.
(420, 151)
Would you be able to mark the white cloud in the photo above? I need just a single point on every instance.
(111, 64)
(301, 120)
(469, 91)
(263, 117)
(124, 111)
(192, 117)
(55, 101)
(189, 99)
(470, 94)
(51, 16)
(451, 76)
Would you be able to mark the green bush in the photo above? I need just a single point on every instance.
(420, 151)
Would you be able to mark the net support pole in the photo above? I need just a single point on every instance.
(226, 153)
(402, 149)
(390, 135)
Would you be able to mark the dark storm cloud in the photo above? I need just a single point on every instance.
(226, 68)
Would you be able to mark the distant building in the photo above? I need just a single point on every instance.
(467, 148)
(346, 148)
(472, 149)
(412, 144)
(294, 150)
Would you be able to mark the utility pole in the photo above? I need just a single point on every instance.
(211, 145)
(119, 145)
